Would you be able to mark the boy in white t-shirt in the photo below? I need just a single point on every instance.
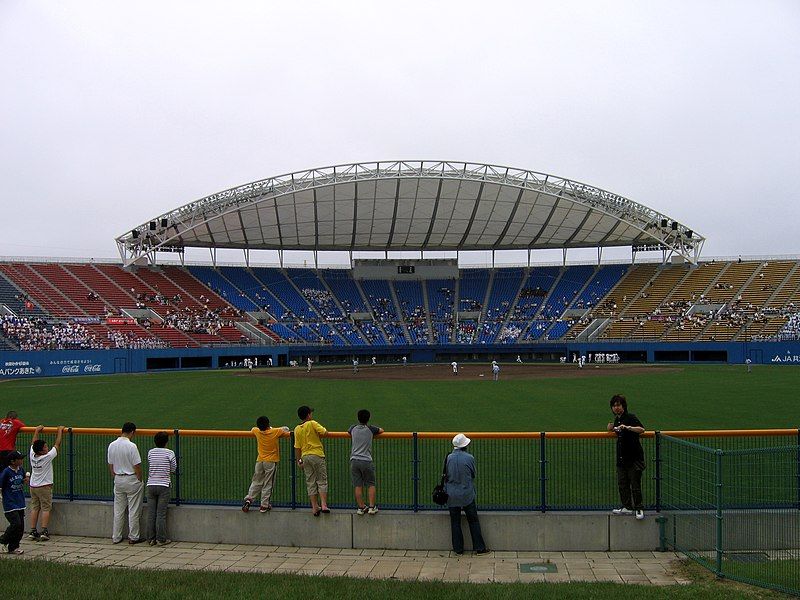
(41, 484)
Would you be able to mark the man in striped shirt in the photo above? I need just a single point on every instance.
(162, 464)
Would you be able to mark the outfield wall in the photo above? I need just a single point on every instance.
(98, 362)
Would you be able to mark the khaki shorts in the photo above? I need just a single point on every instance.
(316, 471)
(42, 498)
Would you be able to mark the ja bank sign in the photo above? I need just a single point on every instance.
(788, 357)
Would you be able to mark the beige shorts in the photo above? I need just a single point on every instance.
(42, 498)
(316, 471)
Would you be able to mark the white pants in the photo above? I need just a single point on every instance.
(127, 497)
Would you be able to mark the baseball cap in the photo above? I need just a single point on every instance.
(304, 411)
(13, 455)
(461, 441)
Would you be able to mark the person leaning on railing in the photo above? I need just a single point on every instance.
(630, 457)
(310, 456)
(266, 464)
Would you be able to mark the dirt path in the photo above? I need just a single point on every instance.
(443, 372)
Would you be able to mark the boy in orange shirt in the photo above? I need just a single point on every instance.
(266, 465)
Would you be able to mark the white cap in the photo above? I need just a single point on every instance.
(461, 441)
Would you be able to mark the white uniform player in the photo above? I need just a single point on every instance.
(355, 365)
(309, 362)
(454, 364)
(495, 370)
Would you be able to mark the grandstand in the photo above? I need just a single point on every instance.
(150, 303)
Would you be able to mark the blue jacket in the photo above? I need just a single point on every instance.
(11, 484)
(460, 484)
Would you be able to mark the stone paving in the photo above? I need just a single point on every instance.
(656, 568)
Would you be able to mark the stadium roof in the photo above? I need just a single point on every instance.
(411, 205)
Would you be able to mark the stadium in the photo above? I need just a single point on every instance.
(380, 325)
(152, 312)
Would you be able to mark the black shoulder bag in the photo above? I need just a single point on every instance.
(439, 495)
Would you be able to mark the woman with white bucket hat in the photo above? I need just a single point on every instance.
(460, 487)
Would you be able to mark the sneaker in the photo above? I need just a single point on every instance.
(164, 542)
(639, 514)
(361, 510)
(17, 551)
(263, 509)
(45, 535)
(373, 510)
(622, 511)
(482, 552)
(246, 506)
(33, 535)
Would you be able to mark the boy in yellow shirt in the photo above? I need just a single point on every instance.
(310, 456)
(266, 465)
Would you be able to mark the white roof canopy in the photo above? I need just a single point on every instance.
(410, 205)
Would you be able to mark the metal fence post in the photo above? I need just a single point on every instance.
(718, 544)
(71, 464)
(293, 470)
(542, 472)
(415, 471)
(658, 471)
(178, 467)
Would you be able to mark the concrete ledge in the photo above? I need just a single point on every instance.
(508, 531)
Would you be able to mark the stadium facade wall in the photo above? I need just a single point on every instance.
(14, 365)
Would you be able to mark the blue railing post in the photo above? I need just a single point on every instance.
(542, 472)
(293, 470)
(415, 471)
(71, 464)
(658, 471)
(177, 434)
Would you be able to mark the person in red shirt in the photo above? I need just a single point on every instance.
(9, 427)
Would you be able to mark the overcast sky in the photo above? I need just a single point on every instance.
(112, 113)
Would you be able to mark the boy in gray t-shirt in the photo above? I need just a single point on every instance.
(362, 467)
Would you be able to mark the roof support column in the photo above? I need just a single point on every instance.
(280, 258)
(599, 255)
(213, 256)
(316, 263)
(247, 257)
(564, 259)
(529, 258)
(493, 259)
(350, 253)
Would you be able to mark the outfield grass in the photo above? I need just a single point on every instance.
(33, 580)
(695, 397)
(580, 473)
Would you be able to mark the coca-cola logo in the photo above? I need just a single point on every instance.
(70, 369)
(92, 369)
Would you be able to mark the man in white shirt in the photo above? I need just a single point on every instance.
(125, 466)
(41, 457)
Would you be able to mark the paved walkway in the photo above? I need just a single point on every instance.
(621, 567)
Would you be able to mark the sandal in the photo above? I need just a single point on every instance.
(326, 511)
(316, 512)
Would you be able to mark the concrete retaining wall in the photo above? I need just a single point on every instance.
(513, 531)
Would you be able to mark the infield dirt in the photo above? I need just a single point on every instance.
(443, 372)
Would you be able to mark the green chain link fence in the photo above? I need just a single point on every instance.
(734, 511)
